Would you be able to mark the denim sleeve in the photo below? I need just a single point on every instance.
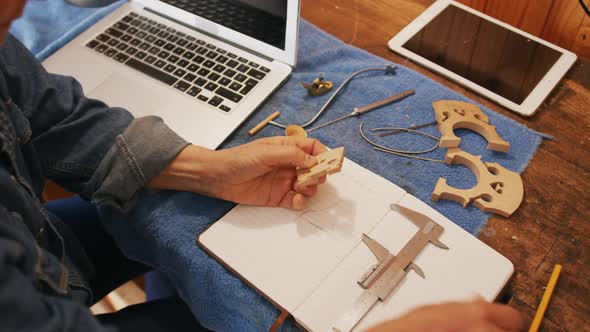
(24, 307)
(83, 145)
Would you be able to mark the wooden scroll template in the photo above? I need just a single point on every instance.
(498, 190)
(455, 114)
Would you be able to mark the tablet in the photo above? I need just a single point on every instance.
(507, 65)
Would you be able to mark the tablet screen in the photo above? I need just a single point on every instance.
(483, 52)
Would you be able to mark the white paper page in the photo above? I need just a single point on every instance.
(309, 262)
(286, 254)
(467, 269)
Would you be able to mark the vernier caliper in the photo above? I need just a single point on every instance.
(382, 278)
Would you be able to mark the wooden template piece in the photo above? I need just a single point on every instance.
(455, 114)
(498, 189)
(329, 162)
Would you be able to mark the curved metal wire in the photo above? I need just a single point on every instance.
(402, 153)
(389, 69)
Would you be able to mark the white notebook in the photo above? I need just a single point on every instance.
(308, 262)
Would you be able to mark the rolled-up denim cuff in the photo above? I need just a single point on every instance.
(141, 152)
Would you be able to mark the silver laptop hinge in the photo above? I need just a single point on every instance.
(208, 34)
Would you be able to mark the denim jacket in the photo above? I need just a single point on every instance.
(50, 130)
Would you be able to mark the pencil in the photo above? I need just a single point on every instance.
(545, 299)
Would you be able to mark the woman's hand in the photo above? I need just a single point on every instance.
(262, 172)
(476, 316)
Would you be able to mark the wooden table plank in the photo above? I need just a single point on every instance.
(552, 225)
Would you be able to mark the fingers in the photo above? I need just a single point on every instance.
(493, 316)
(283, 151)
(294, 200)
(307, 190)
(486, 328)
(286, 156)
(490, 316)
(502, 316)
(476, 316)
(309, 145)
(289, 153)
(313, 182)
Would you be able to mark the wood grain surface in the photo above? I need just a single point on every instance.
(552, 225)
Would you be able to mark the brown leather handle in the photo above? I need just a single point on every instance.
(383, 102)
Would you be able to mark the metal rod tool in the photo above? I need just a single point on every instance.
(399, 131)
(367, 108)
(389, 70)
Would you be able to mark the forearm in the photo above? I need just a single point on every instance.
(262, 172)
(138, 155)
(193, 169)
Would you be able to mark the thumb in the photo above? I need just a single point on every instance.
(286, 156)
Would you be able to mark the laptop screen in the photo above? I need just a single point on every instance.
(264, 20)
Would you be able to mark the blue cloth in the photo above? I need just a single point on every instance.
(48, 25)
(157, 286)
(168, 222)
(111, 267)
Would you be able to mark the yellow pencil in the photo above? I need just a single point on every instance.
(545, 299)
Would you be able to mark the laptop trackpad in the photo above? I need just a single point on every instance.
(139, 98)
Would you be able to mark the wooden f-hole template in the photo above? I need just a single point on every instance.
(455, 114)
(498, 190)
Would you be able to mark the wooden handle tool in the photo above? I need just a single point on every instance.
(383, 102)
(263, 123)
(365, 109)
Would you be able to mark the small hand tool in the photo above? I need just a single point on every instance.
(399, 131)
(263, 123)
(382, 278)
(367, 108)
(318, 87)
(389, 70)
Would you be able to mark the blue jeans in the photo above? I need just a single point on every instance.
(114, 269)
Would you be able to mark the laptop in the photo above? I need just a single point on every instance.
(202, 65)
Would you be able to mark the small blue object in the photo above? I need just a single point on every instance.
(390, 70)
(161, 228)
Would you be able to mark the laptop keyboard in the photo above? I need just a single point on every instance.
(199, 69)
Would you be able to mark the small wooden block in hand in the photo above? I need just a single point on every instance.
(329, 162)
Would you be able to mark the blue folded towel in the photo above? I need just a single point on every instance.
(46, 26)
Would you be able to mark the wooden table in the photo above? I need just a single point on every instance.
(552, 224)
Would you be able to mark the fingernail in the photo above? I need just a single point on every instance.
(310, 160)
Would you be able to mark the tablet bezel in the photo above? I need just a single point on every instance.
(537, 95)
